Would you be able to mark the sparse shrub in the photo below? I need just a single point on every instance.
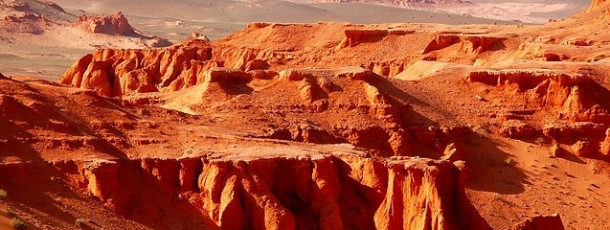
(540, 141)
(3, 193)
(79, 222)
(482, 132)
(17, 223)
(10, 212)
(192, 200)
(495, 23)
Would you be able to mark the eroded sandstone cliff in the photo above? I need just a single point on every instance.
(322, 191)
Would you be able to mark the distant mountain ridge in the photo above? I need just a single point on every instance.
(400, 3)
(393, 2)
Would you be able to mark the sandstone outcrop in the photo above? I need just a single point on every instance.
(317, 191)
(115, 24)
(561, 92)
(118, 72)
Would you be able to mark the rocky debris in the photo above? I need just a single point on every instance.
(381, 107)
(557, 151)
(115, 24)
(157, 42)
(386, 69)
(573, 131)
(356, 73)
(303, 132)
(585, 148)
(515, 129)
(577, 42)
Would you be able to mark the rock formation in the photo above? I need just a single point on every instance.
(318, 191)
(117, 72)
(115, 24)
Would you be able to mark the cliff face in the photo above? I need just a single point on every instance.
(288, 192)
(117, 72)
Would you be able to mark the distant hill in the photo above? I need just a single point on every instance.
(536, 11)
(49, 9)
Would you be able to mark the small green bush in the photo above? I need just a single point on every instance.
(17, 223)
(482, 132)
(509, 161)
(520, 25)
(79, 222)
(3, 193)
(540, 141)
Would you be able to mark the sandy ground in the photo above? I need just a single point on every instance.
(47, 62)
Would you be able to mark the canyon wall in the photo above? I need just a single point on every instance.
(317, 191)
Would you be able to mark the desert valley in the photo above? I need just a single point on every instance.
(221, 115)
